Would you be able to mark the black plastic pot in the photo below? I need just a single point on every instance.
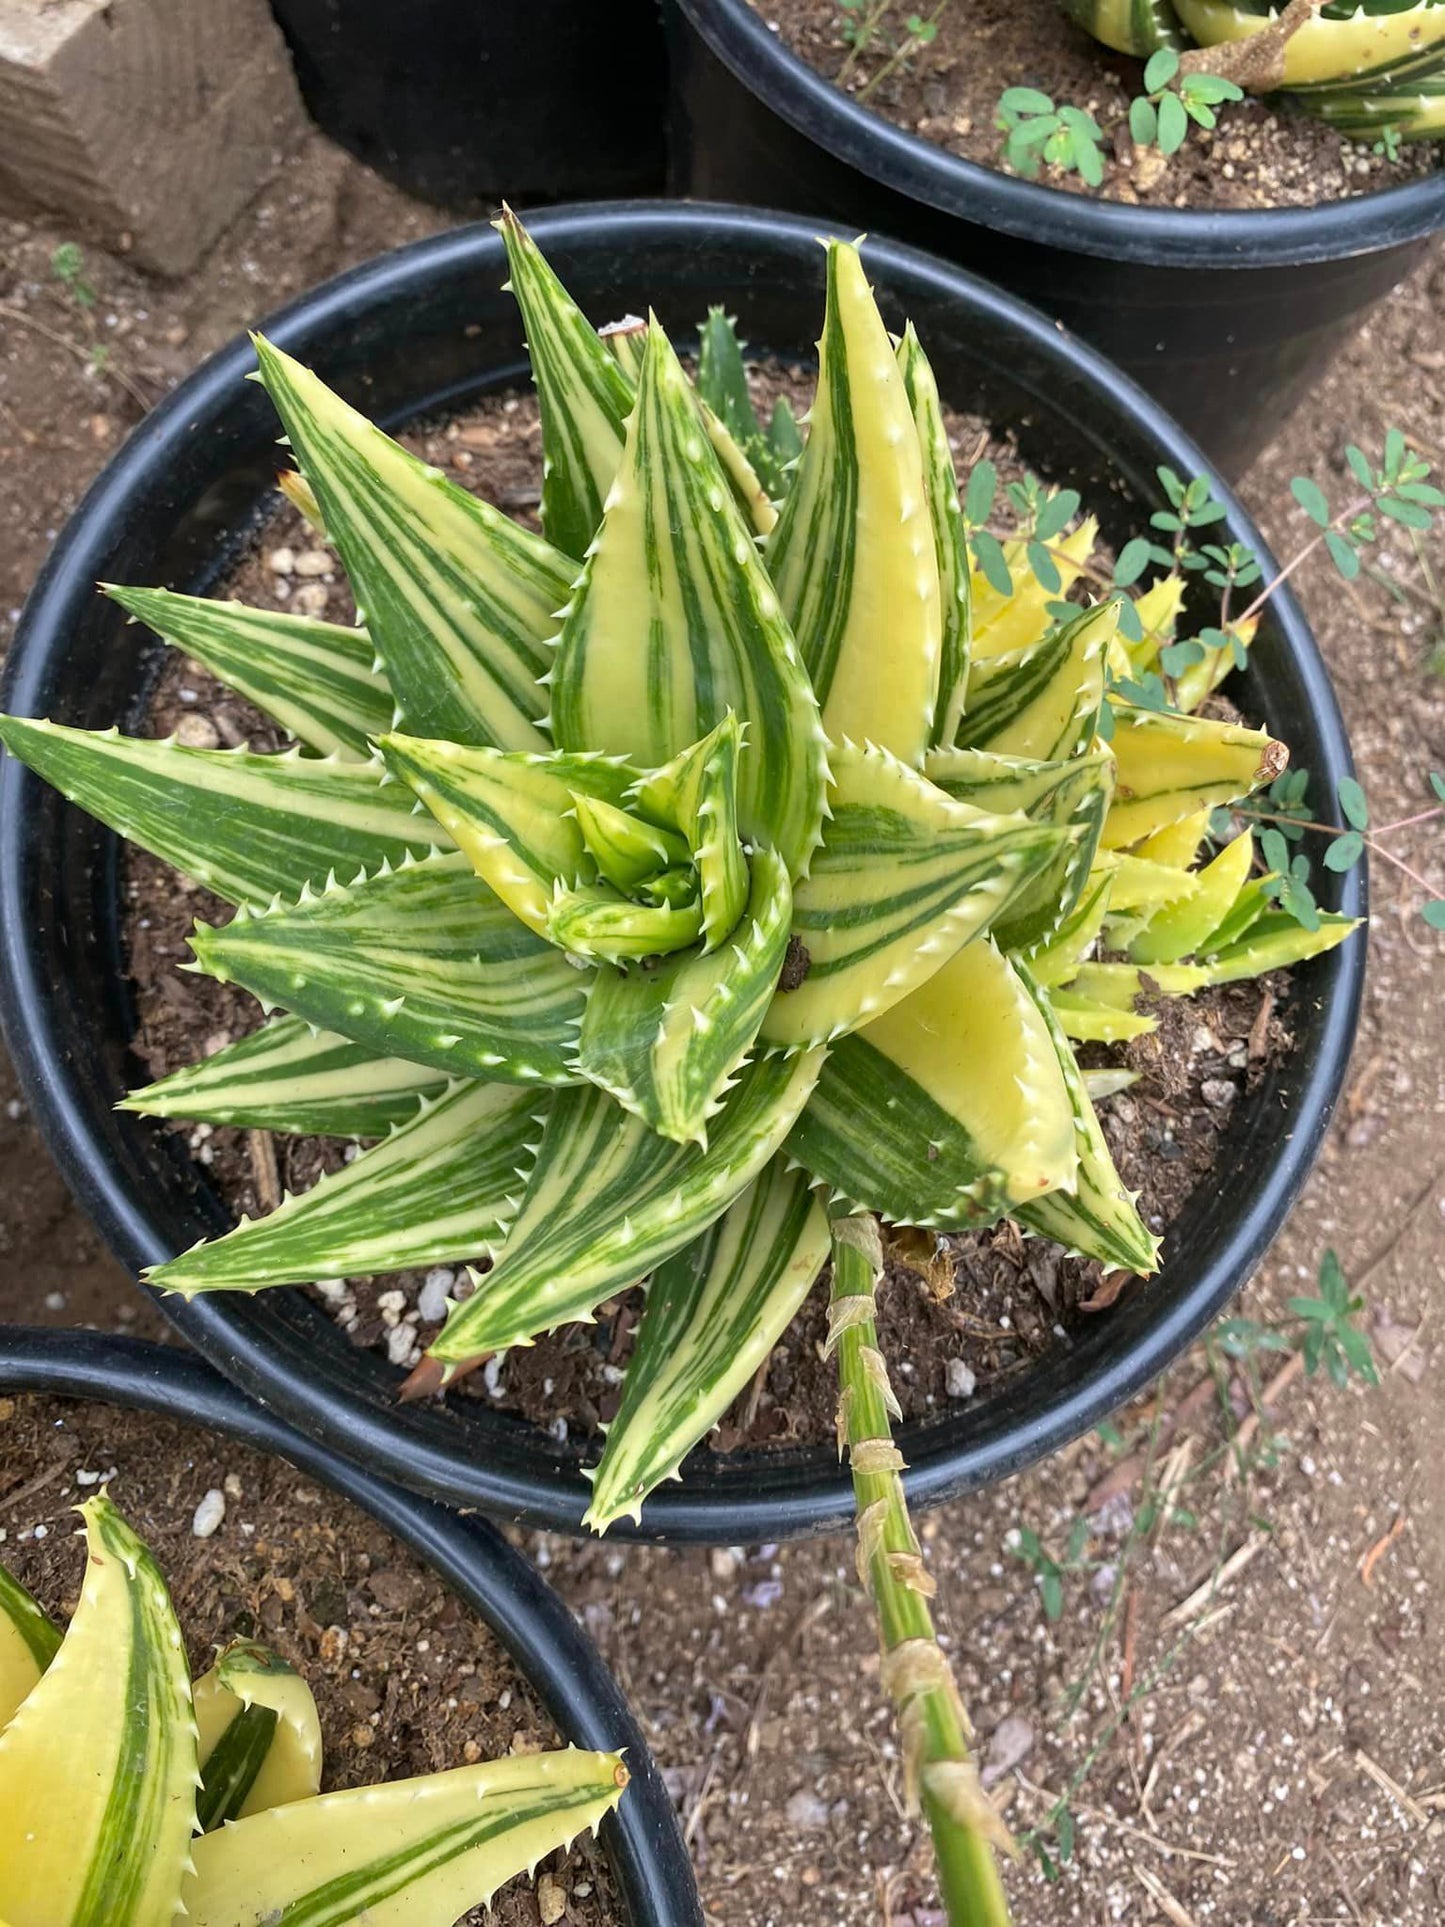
(426, 329)
(461, 102)
(642, 1841)
(1227, 318)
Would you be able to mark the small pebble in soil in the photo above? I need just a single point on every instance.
(959, 1379)
(431, 1303)
(1220, 1092)
(209, 1514)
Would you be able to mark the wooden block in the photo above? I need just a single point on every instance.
(152, 119)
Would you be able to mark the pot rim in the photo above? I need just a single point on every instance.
(746, 1498)
(642, 1839)
(1201, 238)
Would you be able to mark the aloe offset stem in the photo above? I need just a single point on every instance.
(939, 1774)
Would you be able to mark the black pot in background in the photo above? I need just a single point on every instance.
(463, 101)
(642, 1840)
(1227, 318)
(427, 329)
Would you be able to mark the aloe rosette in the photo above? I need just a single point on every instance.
(128, 1793)
(1362, 65)
(732, 845)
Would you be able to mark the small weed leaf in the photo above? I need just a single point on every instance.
(1311, 499)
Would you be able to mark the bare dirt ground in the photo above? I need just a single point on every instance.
(1240, 1700)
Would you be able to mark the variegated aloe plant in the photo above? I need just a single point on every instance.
(727, 858)
(1363, 65)
(130, 1797)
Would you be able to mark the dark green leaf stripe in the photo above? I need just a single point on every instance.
(424, 963)
(317, 679)
(249, 827)
(945, 512)
(34, 1631)
(1098, 1218)
(607, 1199)
(458, 599)
(433, 1192)
(664, 1039)
(676, 624)
(584, 395)
(714, 1312)
(288, 1077)
(236, 1759)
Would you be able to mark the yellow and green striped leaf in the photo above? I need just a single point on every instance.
(1184, 927)
(1088, 1021)
(1096, 1218)
(585, 397)
(411, 1853)
(853, 553)
(28, 1643)
(945, 512)
(459, 600)
(949, 1110)
(1072, 795)
(1275, 941)
(98, 1766)
(905, 877)
(512, 814)
(607, 1199)
(714, 1311)
(1169, 766)
(598, 924)
(1253, 902)
(1137, 27)
(1117, 985)
(1057, 961)
(1041, 701)
(675, 625)
(249, 827)
(697, 795)
(423, 962)
(258, 1737)
(627, 849)
(1202, 678)
(289, 1077)
(318, 680)
(433, 1192)
(665, 1039)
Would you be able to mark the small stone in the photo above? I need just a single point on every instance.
(723, 1562)
(431, 1303)
(314, 562)
(197, 732)
(551, 1900)
(281, 561)
(310, 599)
(1218, 1092)
(959, 1379)
(471, 1752)
(362, 1736)
(805, 1809)
(209, 1514)
(401, 1345)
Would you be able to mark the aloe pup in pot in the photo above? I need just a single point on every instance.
(677, 892)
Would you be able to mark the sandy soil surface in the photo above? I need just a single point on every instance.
(1237, 1697)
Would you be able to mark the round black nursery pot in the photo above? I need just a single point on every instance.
(642, 1840)
(461, 103)
(425, 330)
(1227, 318)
